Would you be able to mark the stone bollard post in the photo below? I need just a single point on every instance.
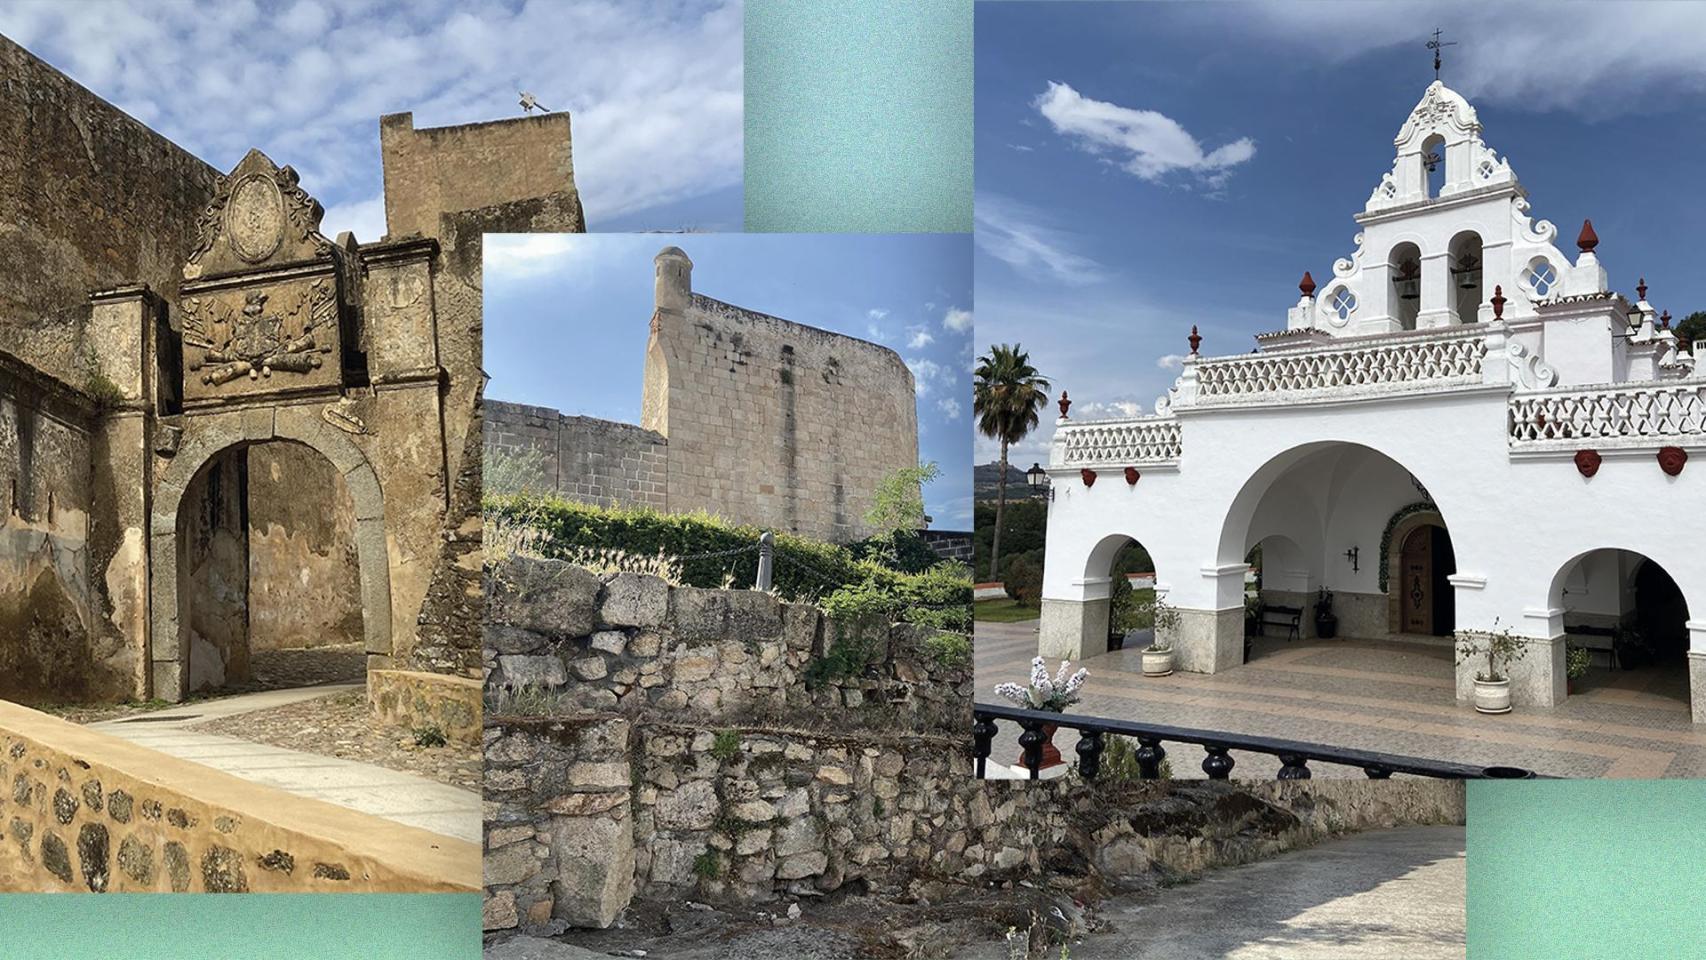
(766, 560)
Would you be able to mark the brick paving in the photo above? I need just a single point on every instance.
(1396, 696)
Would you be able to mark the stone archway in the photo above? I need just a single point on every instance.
(205, 438)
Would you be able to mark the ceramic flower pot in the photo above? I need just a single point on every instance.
(1492, 696)
(1051, 753)
(1157, 663)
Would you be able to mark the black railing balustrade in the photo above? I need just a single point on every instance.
(1294, 757)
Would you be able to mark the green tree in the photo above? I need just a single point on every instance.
(1007, 395)
(898, 504)
(1693, 327)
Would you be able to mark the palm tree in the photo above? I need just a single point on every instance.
(1007, 393)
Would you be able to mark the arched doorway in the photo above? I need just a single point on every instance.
(1418, 564)
(1626, 619)
(260, 540)
(1132, 590)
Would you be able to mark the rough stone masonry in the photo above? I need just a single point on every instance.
(221, 430)
(760, 420)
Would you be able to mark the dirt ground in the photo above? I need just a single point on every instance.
(272, 669)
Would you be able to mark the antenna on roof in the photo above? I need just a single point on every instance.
(1435, 44)
(528, 102)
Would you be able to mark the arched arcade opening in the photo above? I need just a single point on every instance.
(1625, 623)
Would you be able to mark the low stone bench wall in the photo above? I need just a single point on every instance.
(83, 811)
(414, 701)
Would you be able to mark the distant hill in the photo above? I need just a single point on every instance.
(986, 476)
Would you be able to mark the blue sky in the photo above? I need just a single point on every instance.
(1144, 167)
(653, 87)
(567, 317)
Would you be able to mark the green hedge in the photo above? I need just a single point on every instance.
(804, 569)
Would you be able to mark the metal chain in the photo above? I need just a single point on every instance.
(719, 553)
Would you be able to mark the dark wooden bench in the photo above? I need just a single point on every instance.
(1279, 615)
(1599, 640)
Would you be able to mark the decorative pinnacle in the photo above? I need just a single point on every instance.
(1498, 302)
(1307, 284)
(1664, 320)
(1588, 239)
(1195, 338)
(1065, 404)
(1641, 289)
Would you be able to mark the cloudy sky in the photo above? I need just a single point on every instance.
(653, 88)
(1145, 167)
(591, 296)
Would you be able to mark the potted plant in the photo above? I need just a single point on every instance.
(1631, 647)
(1577, 659)
(1492, 684)
(1252, 615)
(1326, 621)
(1052, 695)
(1158, 656)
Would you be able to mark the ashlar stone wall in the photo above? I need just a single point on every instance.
(771, 422)
(585, 459)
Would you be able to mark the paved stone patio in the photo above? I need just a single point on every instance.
(1395, 696)
(405, 798)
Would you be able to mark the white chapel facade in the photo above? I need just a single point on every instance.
(1462, 428)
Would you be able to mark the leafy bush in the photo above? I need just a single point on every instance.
(1024, 526)
(804, 569)
(1025, 580)
(429, 736)
(904, 550)
(950, 650)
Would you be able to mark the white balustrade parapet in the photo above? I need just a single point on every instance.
(1117, 443)
(1611, 416)
(1408, 362)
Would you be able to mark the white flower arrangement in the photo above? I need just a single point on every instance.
(1044, 693)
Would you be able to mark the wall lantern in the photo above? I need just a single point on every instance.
(1353, 555)
(1409, 280)
(1037, 477)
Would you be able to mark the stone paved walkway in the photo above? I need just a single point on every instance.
(1392, 696)
(1375, 896)
(405, 798)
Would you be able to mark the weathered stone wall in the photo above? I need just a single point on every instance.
(417, 701)
(46, 599)
(85, 811)
(594, 810)
(92, 199)
(770, 422)
(633, 642)
(304, 580)
(588, 460)
(471, 166)
(949, 544)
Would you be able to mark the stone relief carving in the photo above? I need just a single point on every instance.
(1529, 369)
(254, 218)
(257, 212)
(257, 340)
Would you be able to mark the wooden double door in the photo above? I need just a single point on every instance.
(1426, 602)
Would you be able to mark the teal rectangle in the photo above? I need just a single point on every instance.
(1587, 870)
(859, 116)
(183, 926)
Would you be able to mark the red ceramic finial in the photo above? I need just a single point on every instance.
(1664, 320)
(1195, 338)
(1065, 404)
(1641, 289)
(1498, 302)
(1307, 284)
(1588, 239)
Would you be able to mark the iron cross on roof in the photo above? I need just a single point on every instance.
(1435, 44)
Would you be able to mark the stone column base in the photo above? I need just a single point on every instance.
(1539, 679)
(1073, 629)
(1697, 684)
(1209, 641)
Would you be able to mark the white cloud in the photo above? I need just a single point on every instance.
(876, 314)
(1171, 361)
(514, 256)
(919, 339)
(1146, 143)
(1597, 59)
(654, 88)
(1015, 235)
(950, 407)
(957, 320)
(364, 218)
(924, 373)
(1105, 409)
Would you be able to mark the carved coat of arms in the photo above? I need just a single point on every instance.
(258, 340)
